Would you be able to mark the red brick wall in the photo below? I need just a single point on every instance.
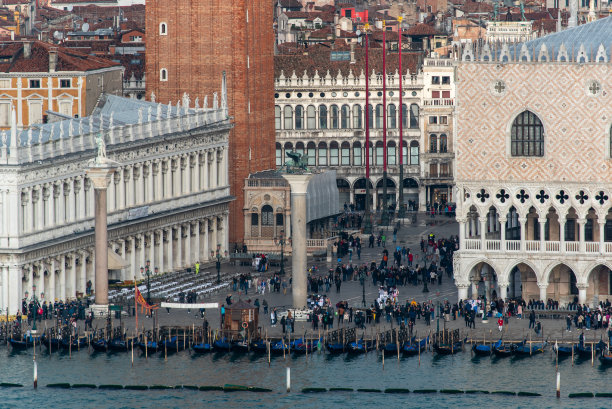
(205, 38)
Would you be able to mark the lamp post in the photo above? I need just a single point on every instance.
(280, 241)
(217, 254)
(34, 307)
(425, 274)
(367, 220)
(362, 279)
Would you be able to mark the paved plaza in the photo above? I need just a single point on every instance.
(409, 235)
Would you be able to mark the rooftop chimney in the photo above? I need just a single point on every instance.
(27, 50)
(52, 59)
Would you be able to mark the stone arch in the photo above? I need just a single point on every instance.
(521, 277)
(544, 278)
(473, 276)
(598, 278)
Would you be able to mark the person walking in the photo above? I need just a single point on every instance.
(500, 323)
(532, 319)
(568, 322)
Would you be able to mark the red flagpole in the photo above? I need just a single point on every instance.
(367, 108)
(401, 125)
(384, 118)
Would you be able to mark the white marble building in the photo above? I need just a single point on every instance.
(167, 203)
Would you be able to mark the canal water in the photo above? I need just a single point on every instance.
(461, 371)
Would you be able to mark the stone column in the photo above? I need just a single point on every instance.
(170, 263)
(562, 235)
(133, 265)
(99, 174)
(196, 229)
(542, 223)
(213, 160)
(187, 230)
(483, 233)
(157, 177)
(175, 185)
(205, 235)
(462, 292)
(48, 205)
(68, 198)
(15, 290)
(503, 289)
(299, 186)
(502, 233)
(188, 170)
(5, 288)
(461, 222)
(53, 265)
(179, 246)
(523, 223)
(196, 172)
(152, 250)
(602, 226)
(83, 273)
(582, 243)
(205, 184)
(582, 292)
(142, 253)
(112, 194)
(543, 288)
(62, 280)
(41, 278)
(73, 276)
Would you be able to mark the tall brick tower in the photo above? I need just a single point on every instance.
(189, 44)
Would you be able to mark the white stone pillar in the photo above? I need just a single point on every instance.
(125, 177)
(112, 194)
(299, 185)
(602, 226)
(462, 292)
(5, 289)
(40, 268)
(62, 279)
(167, 176)
(582, 243)
(69, 200)
(461, 222)
(213, 233)
(205, 182)
(179, 246)
(142, 253)
(170, 265)
(73, 276)
(158, 180)
(159, 250)
(215, 165)
(26, 198)
(152, 250)
(562, 234)
(206, 246)
(187, 231)
(83, 273)
(48, 204)
(197, 172)
(196, 229)
(543, 288)
(503, 289)
(176, 180)
(523, 223)
(15, 288)
(134, 266)
(483, 232)
(40, 209)
(542, 223)
(502, 233)
(188, 170)
(475, 288)
(52, 293)
(582, 293)
(150, 183)
(83, 194)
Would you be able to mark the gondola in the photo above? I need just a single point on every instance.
(606, 358)
(260, 346)
(503, 350)
(220, 345)
(586, 350)
(75, 345)
(530, 349)
(52, 344)
(150, 348)
(482, 349)
(201, 348)
(335, 347)
(119, 345)
(413, 348)
(278, 347)
(172, 345)
(564, 350)
(391, 347)
(449, 349)
(359, 347)
(20, 345)
(100, 345)
(298, 346)
(241, 346)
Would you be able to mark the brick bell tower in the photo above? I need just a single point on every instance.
(189, 44)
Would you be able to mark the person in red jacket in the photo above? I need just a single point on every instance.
(500, 323)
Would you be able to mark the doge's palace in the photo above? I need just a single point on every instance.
(534, 167)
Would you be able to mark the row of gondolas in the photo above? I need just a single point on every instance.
(499, 349)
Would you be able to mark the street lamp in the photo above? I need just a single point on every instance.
(280, 241)
(362, 281)
(425, 274)
(217, 254)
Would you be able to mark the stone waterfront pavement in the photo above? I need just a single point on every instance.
(409, 235)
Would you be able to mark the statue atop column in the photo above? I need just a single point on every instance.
(101, 151)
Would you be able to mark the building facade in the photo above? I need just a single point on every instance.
(189, 46)
(168, 202)
(39, 79)
(322, 114)
(534, 163)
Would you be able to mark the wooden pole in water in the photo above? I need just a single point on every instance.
(383, 358)
(146, 347)
(166, 349)
(419, 347)
(558, 384)
(397, 343)
(268, 344)
(132, 352)
(592, 354)
(530, 344)
(35, 374)
(184, 338)
(573, 347)
(283, 344)
(70, 346)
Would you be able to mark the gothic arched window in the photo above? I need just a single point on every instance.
(527, 135)
(267, 216)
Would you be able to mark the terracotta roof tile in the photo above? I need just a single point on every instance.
(421, 29)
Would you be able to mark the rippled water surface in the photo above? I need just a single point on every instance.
(462, 371)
